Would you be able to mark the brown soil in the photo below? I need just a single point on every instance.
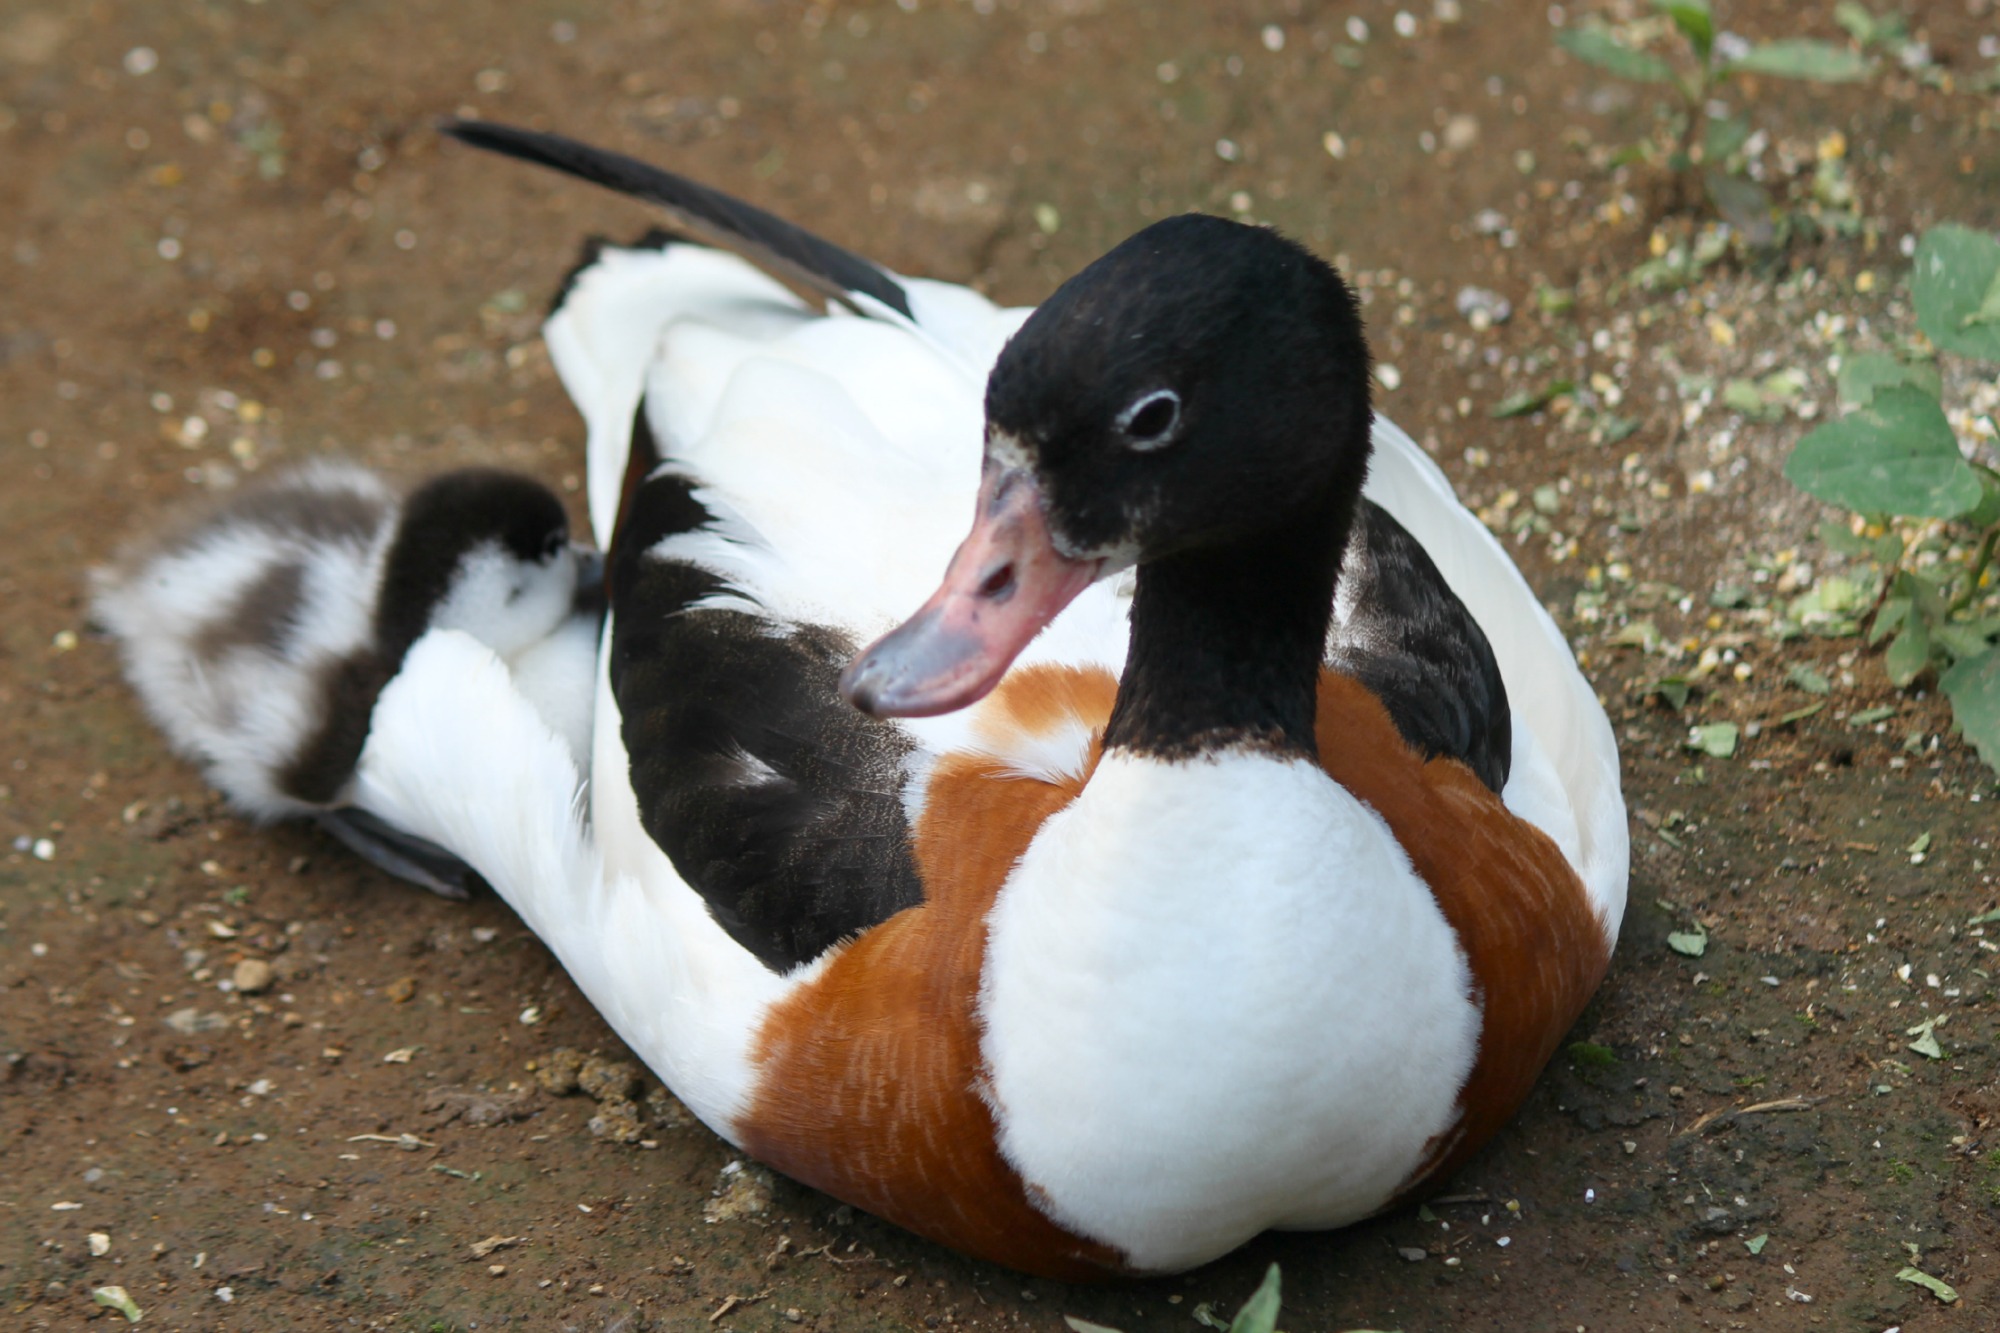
(246, 245)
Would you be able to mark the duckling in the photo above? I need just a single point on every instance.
(259, 632)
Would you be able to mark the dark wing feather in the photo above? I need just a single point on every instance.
(779, 804)
(773, 244)
(1400, 630)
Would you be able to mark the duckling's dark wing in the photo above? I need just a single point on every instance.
(1400, 630)
(778, 247)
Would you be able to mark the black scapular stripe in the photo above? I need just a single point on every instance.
(777, 803)
(1412, 642)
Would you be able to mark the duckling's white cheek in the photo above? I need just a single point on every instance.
(504, 602)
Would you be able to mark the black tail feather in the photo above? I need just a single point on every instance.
(785, 251)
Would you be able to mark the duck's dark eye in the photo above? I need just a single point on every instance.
(1151, 421)
(553, 546)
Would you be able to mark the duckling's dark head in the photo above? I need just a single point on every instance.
(1204, 382)
(482, 550)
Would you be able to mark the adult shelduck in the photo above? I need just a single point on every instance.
(258, 630)
(1225, 844)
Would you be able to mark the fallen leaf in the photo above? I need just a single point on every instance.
(1926, 1043)
(1715, 739)
(1692, 943)
(1935, 1286)
(118, 1299)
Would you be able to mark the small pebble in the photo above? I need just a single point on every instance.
(609, 1079)
(617, 1120)
(1484, 308)
(100, 1244)
(557, 1071)
(1415, 1254)
(741, 1191)
(252, 976)
(401, 990)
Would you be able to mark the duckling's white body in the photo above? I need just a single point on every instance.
(1214, 996)
(239, 627)
(225, 626)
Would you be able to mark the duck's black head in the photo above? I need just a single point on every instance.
(1202, 385)
(482, 550)
(1202, 380)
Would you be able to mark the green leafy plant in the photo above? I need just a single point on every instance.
(1709, 150)
(1895, 460)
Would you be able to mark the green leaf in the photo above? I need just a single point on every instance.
(1856, 21)
(1757, 1243)
(1694, 21)
(1766, 399)
(1868, 717)
(1589, 1053)
(1894, 611)
(118, 1299)
(1920, 844)
(1934, 1286)
(1674, 689)
(1974, 689)
(1809, 680)
(1801, 58)
(1987, 512)
(1962, 641)
(1715, 739)
(1909, 654)
(1260, 1313)
(1744, 205)
(1868, 30)
(1861, 376)
(1989, 307)
(1953, 280)
(1600, 48)
(1723, 137)
(1523, 401)
(1692, 943)
(1799, 714)
(1895, 456)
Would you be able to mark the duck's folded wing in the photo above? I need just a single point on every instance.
(1566, 759)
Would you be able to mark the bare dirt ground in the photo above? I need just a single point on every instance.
(229, 237)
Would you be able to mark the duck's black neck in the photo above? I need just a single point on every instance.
(1227, 642)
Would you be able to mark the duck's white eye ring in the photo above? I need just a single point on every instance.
(1152, 421)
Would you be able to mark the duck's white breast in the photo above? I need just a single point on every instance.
(1218, 999)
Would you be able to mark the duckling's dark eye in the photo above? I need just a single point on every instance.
(553, 546)
(1152, 421)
